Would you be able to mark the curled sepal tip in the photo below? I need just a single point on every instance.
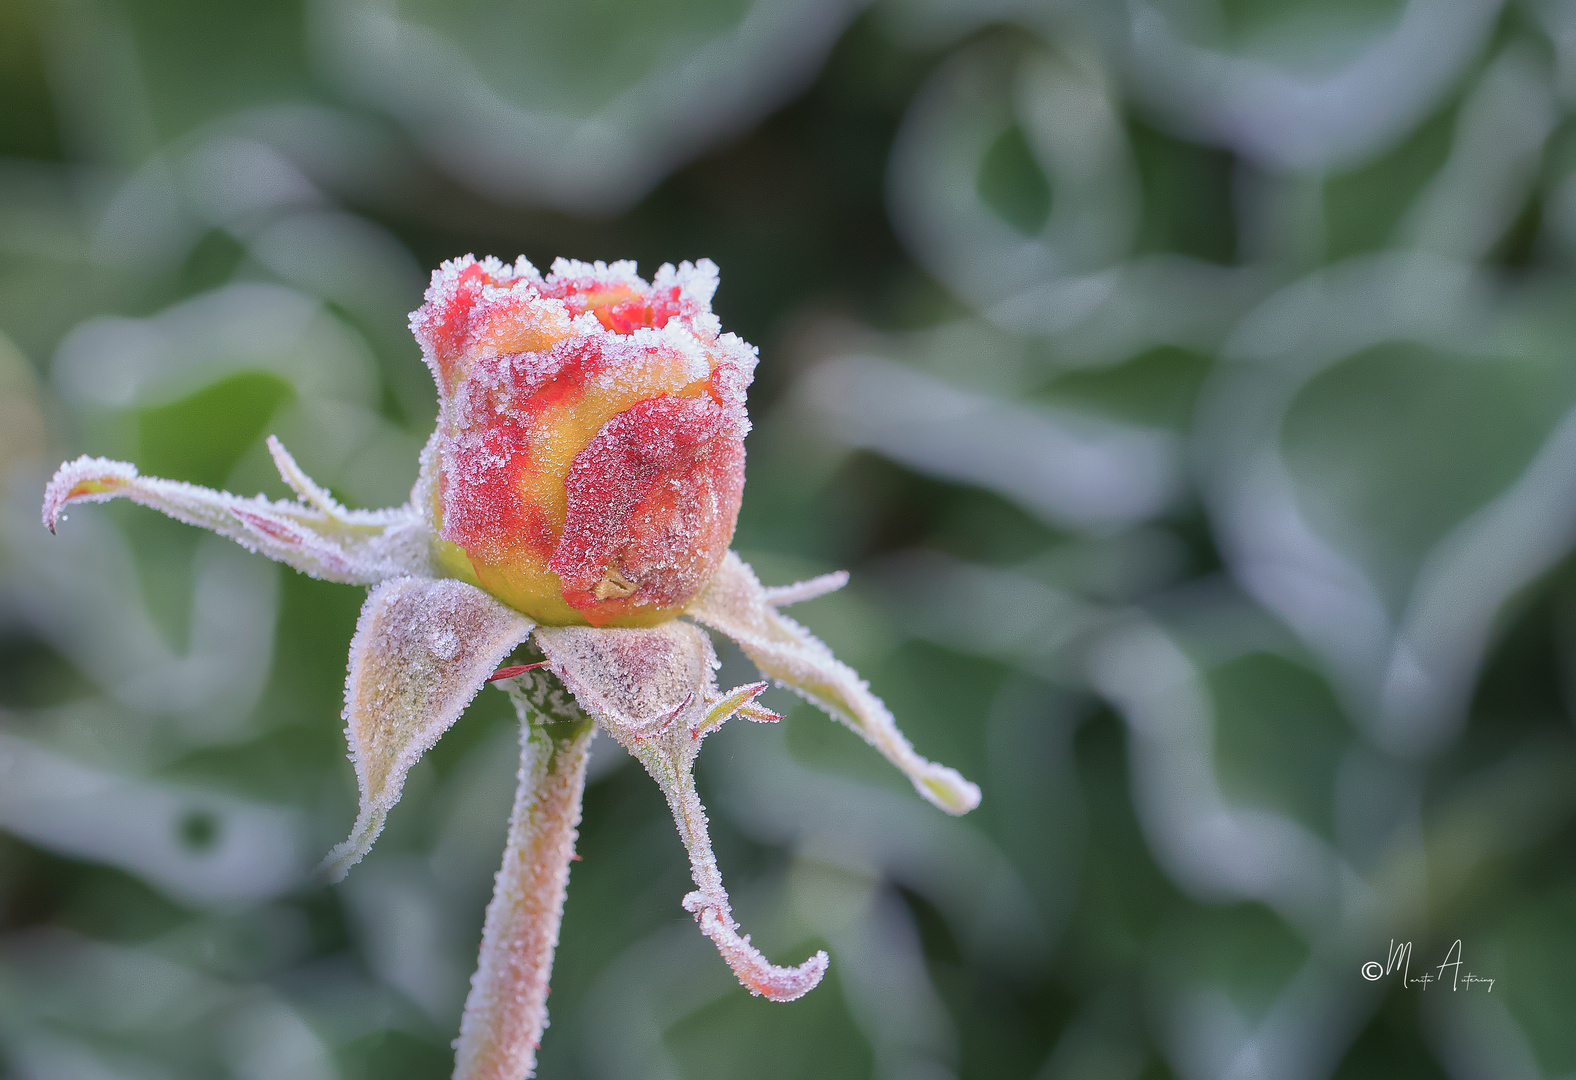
(736, 604)
(655, 692)
(422, 650)
(672, 764)
(759, 977)
(315, 534)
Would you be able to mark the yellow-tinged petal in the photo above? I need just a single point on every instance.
(422, 650)
(735, 604)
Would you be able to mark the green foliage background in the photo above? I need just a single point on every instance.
(1188, 384)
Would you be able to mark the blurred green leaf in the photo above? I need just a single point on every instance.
(1011, 183)
(1397, 444)
(200, 438)
(1279, 738)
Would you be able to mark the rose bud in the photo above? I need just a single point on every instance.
(589, 458)
(586, 468)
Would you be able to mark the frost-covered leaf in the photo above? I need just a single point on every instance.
(584, 109)
(736, 604)
(1388, 461)
(147, 827)
(89, 1009)
(316, 535)
(1305, 85)
(422, 650)
(654, 691)
(1071, 469)
(1034, 249)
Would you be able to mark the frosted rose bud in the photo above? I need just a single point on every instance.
(587, 468)
(589, 457)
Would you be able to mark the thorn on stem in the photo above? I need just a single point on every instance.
(512, 671)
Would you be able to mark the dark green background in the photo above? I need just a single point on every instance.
(1189, 386)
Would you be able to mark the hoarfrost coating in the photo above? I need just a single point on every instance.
(579, 494)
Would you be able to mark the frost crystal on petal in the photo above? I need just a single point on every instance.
(652, 502)
(653, 689)
(422, 650)
(735, 604)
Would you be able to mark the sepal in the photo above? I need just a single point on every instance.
(736, 604)
(422, 650)
(741, 701)
(315, 535)
(655, 692)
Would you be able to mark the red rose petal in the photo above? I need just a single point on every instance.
(652, 504)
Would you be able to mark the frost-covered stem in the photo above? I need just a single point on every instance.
(506, 1011)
